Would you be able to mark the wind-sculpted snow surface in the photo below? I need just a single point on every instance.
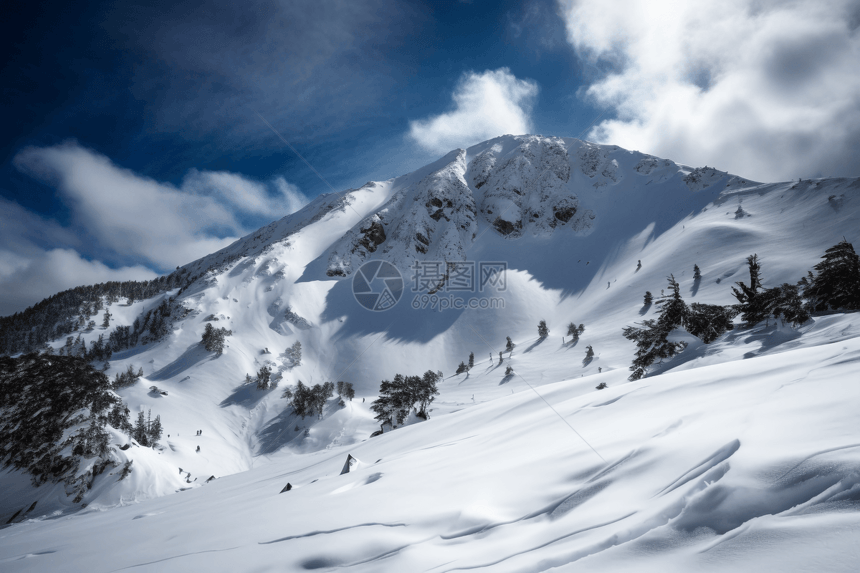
(737, 455)
(742, 466)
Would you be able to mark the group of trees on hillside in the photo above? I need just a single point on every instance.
(401, 395)
(55, 411)
(214, 338)
(73, 310)
(147, 431)
(309, 401)
(834, 286)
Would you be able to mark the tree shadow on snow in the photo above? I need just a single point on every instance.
(400, 323)
(192, 356)
(534, 345)
(695, 288)
(278, 432)
(246, 395)
(645, 309)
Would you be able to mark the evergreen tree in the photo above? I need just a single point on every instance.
(264, 375)
(347, 391)
(785, 303)
(509, 347)
(154, 432)
(509, 371)
(589, 352)
(462, 368)
(543, 331)
(139, 433)
(213, 338)
(709, 321)
(106, 321)
(651, 340)
(426, 392)
(471, 360)
(294, 353)
(836, 284)
(572, 331)
(697, 274)
(648, 298)
(753, 305)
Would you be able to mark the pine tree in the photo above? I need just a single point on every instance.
(139, 431)
(543, 331)
(462, 368)
(697, 274)
(509, 347)
(154, 433)
(294, 353)
(648, 298)
(471, 360)
(836, 284)
(651, 340)
(753, 306)
(785, 303)
(264, 375)
(572, 331)
(106, 321)
(589, 352)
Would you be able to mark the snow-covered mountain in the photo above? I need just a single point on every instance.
(739, 454)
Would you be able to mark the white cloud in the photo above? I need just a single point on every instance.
(486, 105)
(765, 89)
(155, 222)
(27, 280)
(120, 217)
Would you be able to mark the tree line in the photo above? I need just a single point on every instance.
(834, 286)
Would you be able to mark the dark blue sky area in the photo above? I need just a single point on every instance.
(161, 88)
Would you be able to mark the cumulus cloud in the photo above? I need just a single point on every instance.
(152, 221)
(486, 105)
(31, 271)
(766, 89)
(117, 216)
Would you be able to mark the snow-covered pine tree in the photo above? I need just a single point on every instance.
(752, 305)
(294, 353)
(697, 274)
(462, 368)
(139, 431)
(471, 360)
(649, 298)
(106, 321)
(264, 375)
(836, 284)
(543, 331)
(651, 339)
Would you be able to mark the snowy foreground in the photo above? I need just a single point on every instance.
(739, 455)
(750, 464)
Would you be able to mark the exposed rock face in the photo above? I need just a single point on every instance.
(433, 219)
(527, 190)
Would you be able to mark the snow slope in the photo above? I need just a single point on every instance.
(728, 452)
(742, 465)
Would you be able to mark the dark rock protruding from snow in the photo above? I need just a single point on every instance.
(351, 464)
(287, 487)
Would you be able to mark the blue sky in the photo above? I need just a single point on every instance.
(132, 142)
